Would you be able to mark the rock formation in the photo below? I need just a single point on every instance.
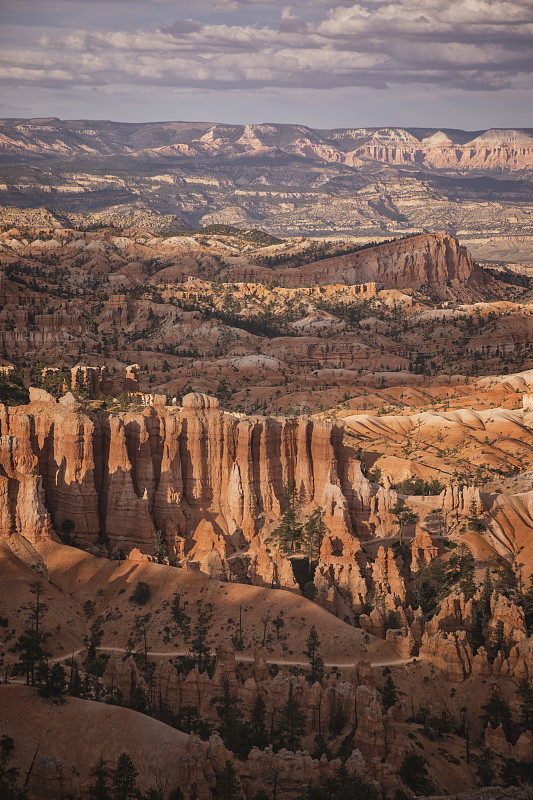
(170, 469)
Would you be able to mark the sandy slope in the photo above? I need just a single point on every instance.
(79, 576)
(77, 733)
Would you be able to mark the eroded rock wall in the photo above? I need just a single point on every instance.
(127, 475)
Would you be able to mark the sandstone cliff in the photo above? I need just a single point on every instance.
(414, 262)
(127, 475)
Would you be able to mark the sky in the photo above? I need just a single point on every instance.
(324, 63)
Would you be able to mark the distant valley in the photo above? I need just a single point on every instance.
(362, 183)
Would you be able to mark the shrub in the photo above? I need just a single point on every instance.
(141, 594)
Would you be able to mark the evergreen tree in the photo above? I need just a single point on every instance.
(228, 785)
(187, 719)
(160, 548)
(141, 593)
(99, 789)
(485, 767)
(67, 531)
(467, 584)
(75, 682)
(315, 660)
(278, 623)
(8, 775)
(525, 692)
(486, 591)
(257, 726)
(193, 791)
(199, 647)
(337, 717)
(125, 778)
(498, 637)
(413, 773)
(461, 570)
(482, 613)
(231, 728)
(314, 531)
(289, 492)
(506, 583)
(292, 725)
(52, 681)
(474, 522)
(92, 663)
(528, 606)
(496, 712)
(289, 533)
(404, 517)
(389, 693)
(180, 616)
(341, 786)
(31, 643)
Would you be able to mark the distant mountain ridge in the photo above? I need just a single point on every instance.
(289, 180)
(438, 148)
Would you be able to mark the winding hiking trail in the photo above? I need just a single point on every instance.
(245, 659)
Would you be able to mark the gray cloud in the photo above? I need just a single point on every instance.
(465, 44)
(181, 27)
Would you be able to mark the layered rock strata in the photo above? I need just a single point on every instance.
(127, 475)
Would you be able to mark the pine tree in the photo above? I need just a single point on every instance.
(315, 660)
(496, 712)
(506, 583)
(187, 719)
(289, 532)
(180, 616)
(389, 694)
(474, 522)
(486, 590)
(313, 534)
(257, 726)
(231, 729)
(525, 692)
(498, 636)
(404, 517)
(289, 492)
(278, 623)
(52, 680)
(413, 773)
(30, 644)
(125, 778)
(9, 789)
(99, 790)
(467, 584)
(160, 548)
(228, 785)
(292, 725)
(199, 636)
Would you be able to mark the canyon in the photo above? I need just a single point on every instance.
(266, 501)
(287, 179)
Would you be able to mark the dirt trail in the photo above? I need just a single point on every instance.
(250, 659)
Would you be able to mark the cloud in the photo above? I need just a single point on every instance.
(291, 23)
(181, 27)
(465, 44)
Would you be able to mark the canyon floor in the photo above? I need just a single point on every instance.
(266, 514)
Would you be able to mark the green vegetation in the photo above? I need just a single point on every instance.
(315, 659)
(141, 593)
(12, 389)
(9, 789)
(414, 774)
(253, 236)
(294, 535)
(343, 786)
(318, 251)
